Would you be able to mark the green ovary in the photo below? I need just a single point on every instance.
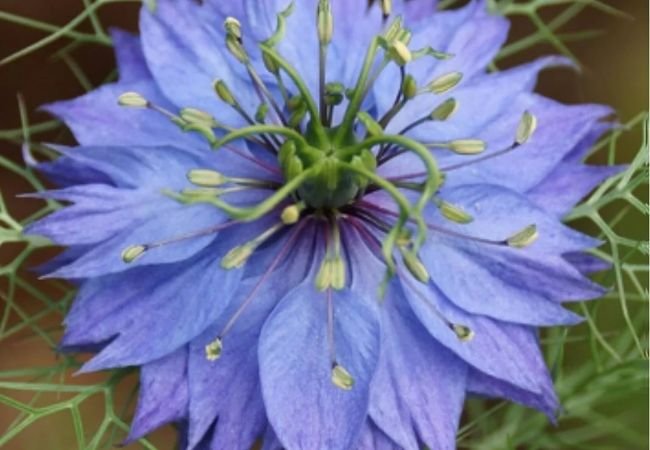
(331, 185)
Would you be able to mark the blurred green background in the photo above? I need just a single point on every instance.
(614, 71)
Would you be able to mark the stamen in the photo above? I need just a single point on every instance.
(386, 8)
(291, 214)
(224, 93)
(462, 332)
(206, 178)
(400, 53)
(341, 378)
(134, 252)
(525, 130)
(213, 349)
(444, 83)
(519, 240)
(527, 127)
(524, 238)
(465, 334)
(325, 22)
(132, 100)
(238, 256)
(332, 274)
(233, 27)
(445, 110)
(453, 212)
(442, 112)
(409, 87)
(217, 344)
(414, 265)
(464, 146)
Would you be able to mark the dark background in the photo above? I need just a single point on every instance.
(615, 72)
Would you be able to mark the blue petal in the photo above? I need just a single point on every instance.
(227, 391)
(164, 394)
(471, 55)
(65, 171)
(152, 311)
(233, 384)
(517, 285)
(295, 368)
(586, 263)
(506, 286)
(568, 184)
(418, 392)
(164, 224)
(131, 64)
(502, 350)
(545, 400)
(499, 213)
(373, 438)
(97, 213)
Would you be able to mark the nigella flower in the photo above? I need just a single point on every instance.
(322, 225)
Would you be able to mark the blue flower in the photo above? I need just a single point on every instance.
(321, 225)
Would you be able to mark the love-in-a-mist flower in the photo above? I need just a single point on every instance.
(320, 224)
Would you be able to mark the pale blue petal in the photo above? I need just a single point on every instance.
(545, 401)
(163, 396)
(502, 350)
(418, 391)
(130, 60)
(295, 368)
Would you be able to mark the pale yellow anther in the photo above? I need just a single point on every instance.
(454, 213)
(341, 378)
(524, 238)
(237, 257)
(206, 178)
(202, 192)
(324, 277)
(290, 214)
(223, 92)
(325, 22)
(213, 350)
(235, 47)
(233, 27)
(464, 334)
(386, 7)
(409, 87)
(445, 83)
(193, 115)
(415, 266)
(133, 252)
(132, 100)
(338, 273)
(527, 126)
(445, 110)
(467, 146)
(400, 53)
